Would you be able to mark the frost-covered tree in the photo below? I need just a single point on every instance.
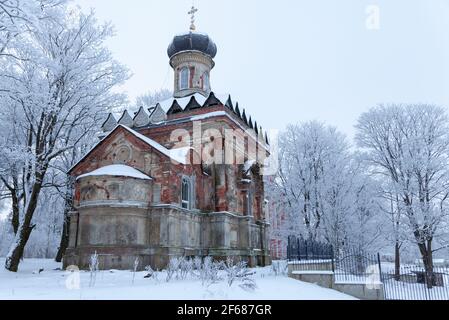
(152, 97)
(322, 185)
(62, 165)
(408, 145)
(309, 152)
(18, 17)
(390, 204)
(365, 224)
(54, 87)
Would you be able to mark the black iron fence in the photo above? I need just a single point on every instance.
(309, 256)
(351, 265)
(411, 283)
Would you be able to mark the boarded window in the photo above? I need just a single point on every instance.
(157, 193)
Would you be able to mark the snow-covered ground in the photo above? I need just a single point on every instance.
(52, 283)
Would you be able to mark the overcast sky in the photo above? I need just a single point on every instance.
(287, 61)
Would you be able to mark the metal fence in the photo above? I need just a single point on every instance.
(356, 266)
(353, 265)
(309, 255)
(411, 283)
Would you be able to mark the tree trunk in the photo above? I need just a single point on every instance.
(16, 252)
(15, 221)
(23, 234)
(64, 243)
(397, 261)
(426, 254)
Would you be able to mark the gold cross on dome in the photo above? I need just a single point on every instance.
(192, 18)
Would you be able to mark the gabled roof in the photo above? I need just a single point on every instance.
(126, 119)
(245, 120)
(110, 123)
(167, 104)
(237, 110)
(117, 170)
(229, 103)
(212, 101)
(175, 108)
(192, 105)
(142, 118)
(170, 153)
(158, 114)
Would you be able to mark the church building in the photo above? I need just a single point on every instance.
(181, 178)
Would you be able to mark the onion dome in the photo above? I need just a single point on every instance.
(192, 41)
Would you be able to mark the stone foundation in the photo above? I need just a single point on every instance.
(120, 234)
(326, 278)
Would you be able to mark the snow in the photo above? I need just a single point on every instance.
(310, 261)
(28, 283)
(313, 272)
(413, 291)
(177, 156)
(166, 104)
(180, 154)
(247, 165)
(145, 139)
(117, 170)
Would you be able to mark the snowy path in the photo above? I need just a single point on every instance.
(117, 285)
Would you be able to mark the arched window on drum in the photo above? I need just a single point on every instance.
(206, 83)
(184, 74)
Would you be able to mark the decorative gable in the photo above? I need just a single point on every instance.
(109, 124)
(175, 108)
(142, 118)
(126, 119)
(158, 115)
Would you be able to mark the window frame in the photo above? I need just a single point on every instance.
(188, 188)
(249, 203)
(206, 81)
(184, 72)
(185, 193)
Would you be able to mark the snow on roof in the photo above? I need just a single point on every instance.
(180, 153)
(172, 155)
(166, 104)
(117, 170)
(208, 115)
(169, 153)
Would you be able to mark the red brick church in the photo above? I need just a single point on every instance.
(181, 178)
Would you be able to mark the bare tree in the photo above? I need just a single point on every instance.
(408, 145)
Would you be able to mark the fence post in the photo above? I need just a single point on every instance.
(333, 257)
(298, 249)
(305, 245)
(380, 267)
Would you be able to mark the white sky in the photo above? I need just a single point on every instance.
(293, 60)
(287, 61)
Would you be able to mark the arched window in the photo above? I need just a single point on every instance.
(206, 84)
(184, 78)
(249, 203)
(185, 193)
(188, 193)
